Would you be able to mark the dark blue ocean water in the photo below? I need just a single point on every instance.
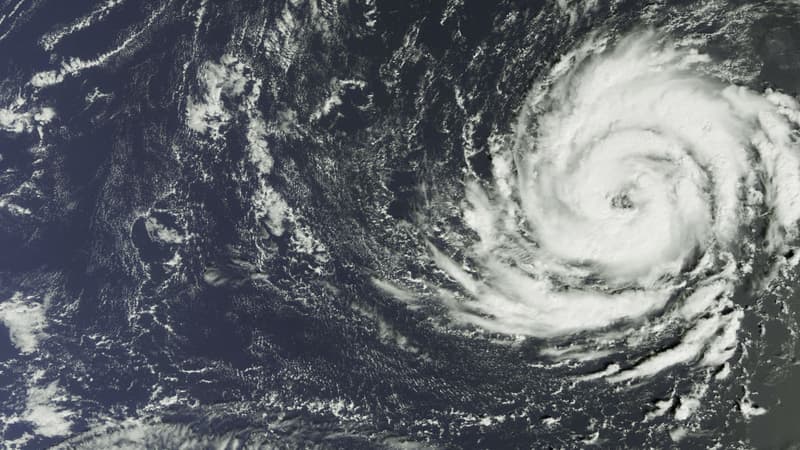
(235, 331)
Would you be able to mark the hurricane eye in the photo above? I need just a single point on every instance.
(622, 201)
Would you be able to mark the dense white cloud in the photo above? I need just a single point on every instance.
(19, 118)
(25, 320)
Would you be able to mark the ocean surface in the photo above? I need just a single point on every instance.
(399, 224)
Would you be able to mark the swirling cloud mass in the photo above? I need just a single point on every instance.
(630, 205)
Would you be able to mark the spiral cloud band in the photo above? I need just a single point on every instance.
(635, 194)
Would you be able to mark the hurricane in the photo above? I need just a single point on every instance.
(371, 224)
(630, 204)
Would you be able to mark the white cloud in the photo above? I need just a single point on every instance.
(47, 417)
(160, 232)
(17, 118)
(50, 40)
(25, 320)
